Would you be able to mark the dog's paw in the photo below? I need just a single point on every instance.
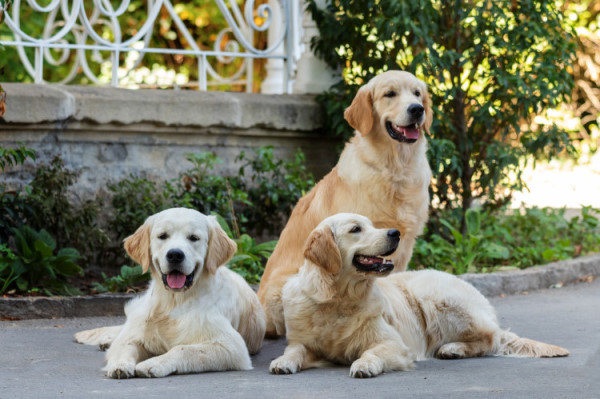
(153, 368)
(121, 370)
(283, 365)
(363, 368)
(452, 350)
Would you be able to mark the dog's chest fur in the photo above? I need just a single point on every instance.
(336, 331)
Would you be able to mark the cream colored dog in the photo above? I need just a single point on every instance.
(382, 173)
(195, 316)
(337, 310)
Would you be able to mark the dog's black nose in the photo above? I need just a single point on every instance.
(175, 256)
(393, 233)
(415, 110)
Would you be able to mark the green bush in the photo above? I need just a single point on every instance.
(275, 187)
(490, 67)
(12, 205)
(34, 265)
(48, 205)
(130, 278)
(203, 189)
(133, 200)
(508, 239)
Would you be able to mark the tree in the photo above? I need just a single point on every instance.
(490, 66)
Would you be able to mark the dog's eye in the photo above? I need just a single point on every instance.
(193, 238)
(390, 94)
(417, 93)
(356, 229)
(163, 236)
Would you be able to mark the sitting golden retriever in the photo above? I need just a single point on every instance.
(337, 310)
(382, 173)
(195, 316)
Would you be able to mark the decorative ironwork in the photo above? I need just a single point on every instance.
(71, 29)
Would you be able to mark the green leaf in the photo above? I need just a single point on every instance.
(473, 222)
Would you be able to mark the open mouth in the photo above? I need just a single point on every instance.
(176, 280)
(374, 264)
(403, 134)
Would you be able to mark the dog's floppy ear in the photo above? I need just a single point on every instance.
(137, 245)
(220, 247)
(360, 113)
(428, 113)
(322, 250)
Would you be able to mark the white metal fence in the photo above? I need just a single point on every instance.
(72, 27)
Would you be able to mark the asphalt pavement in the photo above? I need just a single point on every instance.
(40, 359)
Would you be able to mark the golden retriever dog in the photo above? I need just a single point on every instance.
(338, 310)
(382, 173)
(195, 316)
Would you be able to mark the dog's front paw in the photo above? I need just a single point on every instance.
(121, 370)
(363, 368)
(452, 350)
(283, 365)
(153, 368)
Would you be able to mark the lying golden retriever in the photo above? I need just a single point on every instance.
(337, 310)
(195, 316)
(382, 173)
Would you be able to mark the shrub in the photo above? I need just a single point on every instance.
(489, 66)
(34, 264)
(275, 187)
(48, 206)
(12, 205)
(203, 189)
(508, 239)
(133, 200)
(130, 278)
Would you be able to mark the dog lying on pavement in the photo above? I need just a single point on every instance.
(196, 316)
(338, 310)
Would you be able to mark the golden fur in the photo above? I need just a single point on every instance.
(376, 176)
(210, 324)
(383, 324)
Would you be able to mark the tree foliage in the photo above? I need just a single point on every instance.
(490, 67)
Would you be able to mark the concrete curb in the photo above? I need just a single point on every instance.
(60, 307)
(492, 284)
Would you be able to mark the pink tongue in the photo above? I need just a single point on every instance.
(411, 133)
(176, 280)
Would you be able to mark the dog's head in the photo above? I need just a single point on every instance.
(346, 247)
(395, 104)
(178, 245)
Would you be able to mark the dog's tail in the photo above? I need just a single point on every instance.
(512, 345)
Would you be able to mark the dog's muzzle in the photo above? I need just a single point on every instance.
(378, 264)
(175, 279)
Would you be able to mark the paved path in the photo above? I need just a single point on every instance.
(39, 359)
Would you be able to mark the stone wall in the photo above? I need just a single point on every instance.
(108, 134)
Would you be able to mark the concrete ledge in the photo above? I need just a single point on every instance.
(58, 307)
(39, 103)
(536, 277)
(492, 284)
(108, 134)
